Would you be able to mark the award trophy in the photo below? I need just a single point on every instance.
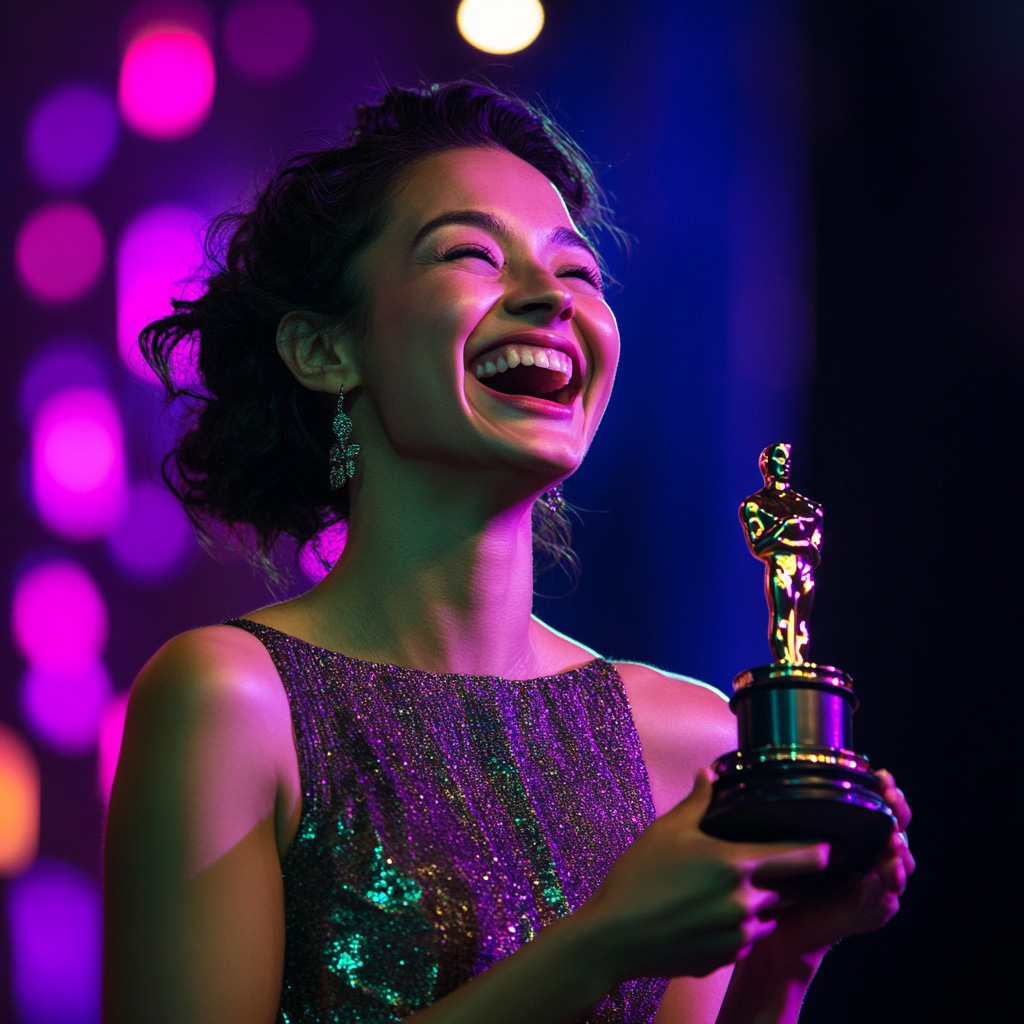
(795, 776)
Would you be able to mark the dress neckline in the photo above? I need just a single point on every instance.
(596, 661)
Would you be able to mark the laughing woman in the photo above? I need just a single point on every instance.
(401, 795)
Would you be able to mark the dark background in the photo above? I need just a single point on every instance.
(828, 206)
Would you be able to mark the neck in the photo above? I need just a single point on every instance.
(428, 581)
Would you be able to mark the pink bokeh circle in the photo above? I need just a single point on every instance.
(59, 618)
(59, 252)
(167, 82)
(78, 463)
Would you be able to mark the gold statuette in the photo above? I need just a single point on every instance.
(795, 776)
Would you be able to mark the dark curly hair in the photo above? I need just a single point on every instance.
(251, 463)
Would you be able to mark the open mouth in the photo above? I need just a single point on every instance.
(529, 371)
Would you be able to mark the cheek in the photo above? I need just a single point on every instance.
(427, 328)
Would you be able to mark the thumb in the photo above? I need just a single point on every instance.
(696, 803)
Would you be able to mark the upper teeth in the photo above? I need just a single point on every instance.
(508, 357)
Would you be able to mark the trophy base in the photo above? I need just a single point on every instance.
(801, 794)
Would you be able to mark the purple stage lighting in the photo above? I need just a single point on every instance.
(60, 364)
(59, 252)
(53, 915)
(111, 731)
(59, 617)
(158, 252)
(167, 80)
(267, 40)
(153, 539)
(64, 708)
(71, 136)
(78, 473)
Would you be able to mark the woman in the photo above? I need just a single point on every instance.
(400, 794)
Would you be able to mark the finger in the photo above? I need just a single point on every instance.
(758, 900)
(693, 806)
(753, 930)
(895, 798)
(772, 862)
(903, 849)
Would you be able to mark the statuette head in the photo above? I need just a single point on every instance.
(774, 465)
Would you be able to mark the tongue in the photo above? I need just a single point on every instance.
(535, 381)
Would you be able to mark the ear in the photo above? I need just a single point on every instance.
(317, 351)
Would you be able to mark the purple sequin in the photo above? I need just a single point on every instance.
(445, 820)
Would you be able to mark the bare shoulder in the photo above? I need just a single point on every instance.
(683, 725)
(205, 791)
(208, 661)
(209, 725)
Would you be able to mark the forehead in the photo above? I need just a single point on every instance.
(489, 180)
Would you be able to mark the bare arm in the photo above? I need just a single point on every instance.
(195, 918)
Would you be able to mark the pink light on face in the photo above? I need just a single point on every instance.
(167, 81)
(19, 803)
(111, 733)
(153, 539)
(158, 251)
(71, 135)
(59, 252)
(59, 618)
(53, 914)
(64, 708)
(268, 39)
(78, 474)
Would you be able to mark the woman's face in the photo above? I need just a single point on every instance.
(488, 342)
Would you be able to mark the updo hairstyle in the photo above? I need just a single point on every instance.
(251, 463)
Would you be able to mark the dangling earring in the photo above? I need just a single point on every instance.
(554, 498)
(343, 454)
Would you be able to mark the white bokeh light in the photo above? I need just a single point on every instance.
(500, 26)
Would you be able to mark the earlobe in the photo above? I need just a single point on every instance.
(317, 351)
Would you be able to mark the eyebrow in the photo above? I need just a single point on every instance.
(496, 226)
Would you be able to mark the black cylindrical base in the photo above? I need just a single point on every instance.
(795, 777)
(784, 795)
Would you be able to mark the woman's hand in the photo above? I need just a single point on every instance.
(679, 902)
(867, 901)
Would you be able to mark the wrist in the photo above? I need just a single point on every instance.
(769, 985)
(587, 947)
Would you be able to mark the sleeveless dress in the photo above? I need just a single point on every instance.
(445, 820)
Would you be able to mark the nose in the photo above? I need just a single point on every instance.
(542, 296)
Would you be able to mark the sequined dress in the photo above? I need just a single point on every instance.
(445, 820)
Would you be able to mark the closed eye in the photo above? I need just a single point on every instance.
(589, 274)
(480, 252)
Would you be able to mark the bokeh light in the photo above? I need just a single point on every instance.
(167, 81)
(153, 539)
(157, 254)
(318, 556)
(111, 733)
(78, 468)
(59, 617)
(59, 364)
(500, 26)
(54, 923)
(60, 252)
(267, 40)
(64, 709)
(19, 803)
(71, 135)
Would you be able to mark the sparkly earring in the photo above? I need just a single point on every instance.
(342, 453)
(554, 498)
